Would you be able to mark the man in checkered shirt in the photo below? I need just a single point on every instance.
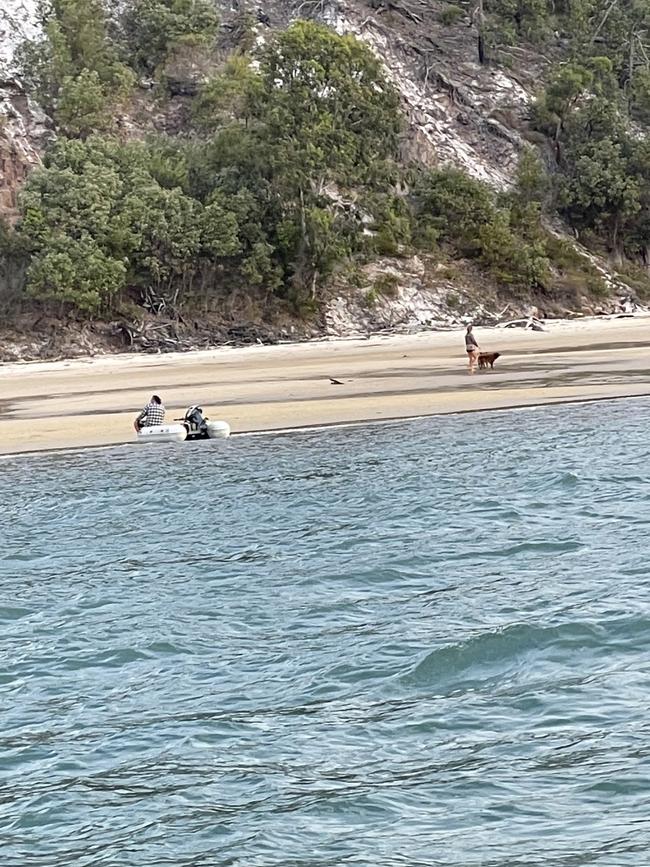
(153, 414)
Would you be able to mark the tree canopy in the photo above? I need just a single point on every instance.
(287, 164)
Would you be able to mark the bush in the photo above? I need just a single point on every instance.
(154, 28)
(75, 69)
(455, 206)
(76, 272)
(12, 269)
(451, 14)
(463, 212)
(597, 287)
(387, 285)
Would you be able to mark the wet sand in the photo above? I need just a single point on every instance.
(91, 402)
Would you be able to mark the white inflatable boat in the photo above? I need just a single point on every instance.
(192, 427)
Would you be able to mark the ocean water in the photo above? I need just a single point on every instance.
(414, 644)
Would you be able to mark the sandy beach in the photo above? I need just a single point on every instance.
(92, 402)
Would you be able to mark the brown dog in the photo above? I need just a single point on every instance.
(486, 359)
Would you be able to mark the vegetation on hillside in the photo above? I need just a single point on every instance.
(595, 102)
(287, 167)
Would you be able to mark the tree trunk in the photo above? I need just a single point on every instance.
(617, 253)
(480, 24)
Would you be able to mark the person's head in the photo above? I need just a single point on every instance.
(469, 328)
(155, 399)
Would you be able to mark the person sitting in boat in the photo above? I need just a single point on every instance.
(153, 414)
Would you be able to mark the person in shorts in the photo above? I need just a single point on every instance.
(472, 348)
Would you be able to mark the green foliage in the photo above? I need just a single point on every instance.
(529, 19)
(451, 14)
(326, 109)
(640, 95)
(599, 187)
(227, 96)
(263, 202)
(509, 258)
(387, 285)
(12, 269)
(82, 104)
(504, 236)
(391, 224)
(563, 92)
(312, 117)
(75, 69)
(455, 206)
(384, 286)
(156, 28)
(96, 220)
(290, 171)
(77, 272)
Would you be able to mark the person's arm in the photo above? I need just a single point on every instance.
(137, 423)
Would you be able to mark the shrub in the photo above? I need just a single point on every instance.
(154, 28)
(455, 206)
(451, 14)
(74, 68)
(386, 284)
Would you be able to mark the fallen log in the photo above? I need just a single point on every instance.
(528, 324)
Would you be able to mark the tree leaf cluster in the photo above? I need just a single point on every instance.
(268, 197)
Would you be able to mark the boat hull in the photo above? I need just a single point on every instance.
(218, 430)
(177, 433)
(162, 433)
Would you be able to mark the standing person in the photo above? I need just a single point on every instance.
(472, 347)
(153, 414)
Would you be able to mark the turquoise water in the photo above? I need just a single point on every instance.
(415, 644)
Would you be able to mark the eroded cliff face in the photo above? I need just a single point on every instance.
(18, 21)
(24, 133)
(23, 126)
(459, 112)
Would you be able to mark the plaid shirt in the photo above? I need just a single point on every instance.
(152, 414)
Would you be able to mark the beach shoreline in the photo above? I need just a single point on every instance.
(46, 406)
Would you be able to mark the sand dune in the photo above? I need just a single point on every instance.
(89, 402)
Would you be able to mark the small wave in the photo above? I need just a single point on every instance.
(8, 612)
(497, 650)
(529, 547)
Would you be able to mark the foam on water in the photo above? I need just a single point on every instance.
(424, 645)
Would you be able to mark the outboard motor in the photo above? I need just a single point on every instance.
(195, 422)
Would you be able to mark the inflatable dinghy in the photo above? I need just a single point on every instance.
(192, 427)
(162, 433)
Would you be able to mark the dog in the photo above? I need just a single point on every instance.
(486, 359)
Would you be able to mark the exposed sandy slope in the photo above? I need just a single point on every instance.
(93, 401)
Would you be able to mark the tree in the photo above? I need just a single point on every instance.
(455, 206)
(155, 28)
(75, 69)
(567, 87)
(527, 198)
(314, 115)
(326, 108)
(76, 272)
(599, 192)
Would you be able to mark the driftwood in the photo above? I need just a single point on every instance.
(529, 324)
(180, 336)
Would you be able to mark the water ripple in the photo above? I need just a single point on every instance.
(417, 644)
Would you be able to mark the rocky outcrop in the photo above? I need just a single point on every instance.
(18, 21)
(23, 126)
(24, 133)
(460, 112)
